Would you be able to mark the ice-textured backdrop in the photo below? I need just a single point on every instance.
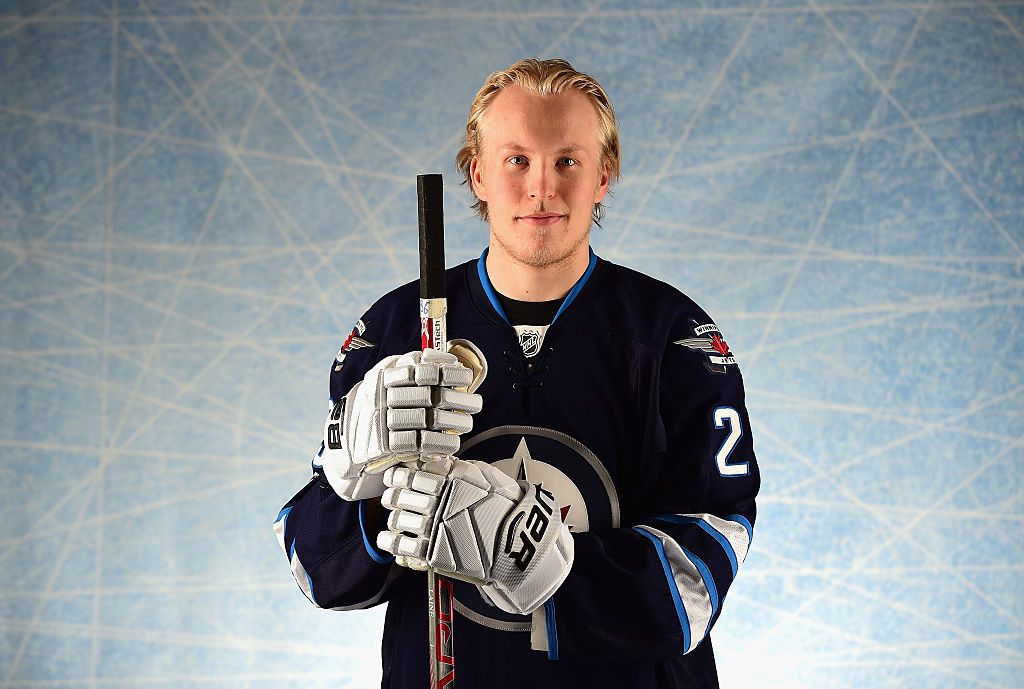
(198, 198)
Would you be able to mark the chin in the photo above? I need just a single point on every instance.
(540, 247)
(539, 259)
(544, 255)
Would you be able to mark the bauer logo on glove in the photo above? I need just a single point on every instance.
(533, 533)
(332, 435)
(475, 523)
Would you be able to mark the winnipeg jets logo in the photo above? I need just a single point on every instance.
(353, 341)
(568, 470)
(719, 356)
(523, 467)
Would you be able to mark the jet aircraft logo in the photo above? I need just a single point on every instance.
(352, 342)
(713, 345)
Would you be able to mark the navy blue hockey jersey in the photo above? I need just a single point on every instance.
(630, 409)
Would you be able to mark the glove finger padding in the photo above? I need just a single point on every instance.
(480, 525)
(437, 397)
(425, 415)
(429, 367)
(429, 419)
(405, 408)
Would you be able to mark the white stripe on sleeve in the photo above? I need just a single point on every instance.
(690, 584)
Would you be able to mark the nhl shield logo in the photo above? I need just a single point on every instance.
(529, 342)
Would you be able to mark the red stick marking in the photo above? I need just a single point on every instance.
(426, 333)
(447, 679)
(443, 630)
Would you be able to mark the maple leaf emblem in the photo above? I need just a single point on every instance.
(719, 344)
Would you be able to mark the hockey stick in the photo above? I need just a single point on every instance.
(434, 335)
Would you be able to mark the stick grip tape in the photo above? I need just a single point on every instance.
(430, 191)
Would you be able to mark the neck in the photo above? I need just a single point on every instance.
(523, 282)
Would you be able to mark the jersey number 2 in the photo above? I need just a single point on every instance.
(722, 417)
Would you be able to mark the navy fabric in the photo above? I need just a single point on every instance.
(612, 406)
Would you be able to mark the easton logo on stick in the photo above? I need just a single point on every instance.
(433, 333)
(710, 341)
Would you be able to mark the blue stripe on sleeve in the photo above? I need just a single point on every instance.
(549, 617)
(371, 550)
(283, 516)
(684, 621)
(730, 552)
(309, 579)
(709, 583)
(742, 521)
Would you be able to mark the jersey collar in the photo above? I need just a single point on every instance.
(492, 296)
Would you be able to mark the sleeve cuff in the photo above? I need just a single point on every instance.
(378, 556)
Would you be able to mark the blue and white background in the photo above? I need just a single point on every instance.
(198, 198)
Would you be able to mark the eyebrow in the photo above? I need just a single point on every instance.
(514, 147)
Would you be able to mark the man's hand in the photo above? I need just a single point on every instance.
(477, 524)
(405, 409)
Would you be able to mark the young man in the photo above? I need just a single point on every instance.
(602, 496)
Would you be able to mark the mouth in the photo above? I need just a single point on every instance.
(541, 219)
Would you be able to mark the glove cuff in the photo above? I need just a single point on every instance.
(535, 552)
(360, 488)
(549, 572)
(348, 480)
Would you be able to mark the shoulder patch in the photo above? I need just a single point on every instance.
(354, 340)
(708, 339)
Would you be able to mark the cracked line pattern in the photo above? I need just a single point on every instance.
(200, 197)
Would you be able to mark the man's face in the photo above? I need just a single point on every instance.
(539, 170)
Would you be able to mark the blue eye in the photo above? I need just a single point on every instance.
(517, 160)
(567, 162)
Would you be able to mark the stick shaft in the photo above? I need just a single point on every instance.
(434, 335)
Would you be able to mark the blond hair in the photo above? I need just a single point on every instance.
(544, 77)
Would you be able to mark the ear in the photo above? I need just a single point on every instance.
(477, 180)
(602, 187)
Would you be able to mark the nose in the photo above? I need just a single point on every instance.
(541, 182)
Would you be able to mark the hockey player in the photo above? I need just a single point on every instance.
(584, 468)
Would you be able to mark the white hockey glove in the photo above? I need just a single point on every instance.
(405, 409)
(479, 525)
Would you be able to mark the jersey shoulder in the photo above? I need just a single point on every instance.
(657, 315)
(651, 309)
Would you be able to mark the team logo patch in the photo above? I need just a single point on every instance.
(353, 341)
(523, 467)
(576, 487)
(710, 341)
